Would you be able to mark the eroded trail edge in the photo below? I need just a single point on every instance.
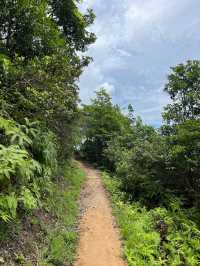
(99, 238)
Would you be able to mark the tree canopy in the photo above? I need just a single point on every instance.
(41, 59)
(183, 88)
(102, 122)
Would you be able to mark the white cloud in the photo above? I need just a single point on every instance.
(110, 88)
(123, 52)
(137, 43)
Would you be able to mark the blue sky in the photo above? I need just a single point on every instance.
(138, 41)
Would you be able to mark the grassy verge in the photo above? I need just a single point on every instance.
(158, 236)
(48, 236)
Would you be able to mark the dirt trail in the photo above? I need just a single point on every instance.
(99, 238)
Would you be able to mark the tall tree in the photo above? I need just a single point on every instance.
(103, 122)
(73, 23)
(40, 61)
(183, 117)
(183, 88)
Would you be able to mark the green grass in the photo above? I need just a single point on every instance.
(48, 235)
(63, 204)
(158, 236)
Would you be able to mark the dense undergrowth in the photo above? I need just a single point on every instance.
(48, 235)
(62, 204)
(158, 236)
(27, 163)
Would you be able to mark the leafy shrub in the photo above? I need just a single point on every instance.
(139, 160)
(157, 236)
(141, 241)
(182, 241)
(184, 160)
(21, 171)
(151, 165)
(45, 149)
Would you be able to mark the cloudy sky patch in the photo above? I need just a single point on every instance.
(138, 41)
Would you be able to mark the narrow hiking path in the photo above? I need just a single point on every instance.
(99, 238)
